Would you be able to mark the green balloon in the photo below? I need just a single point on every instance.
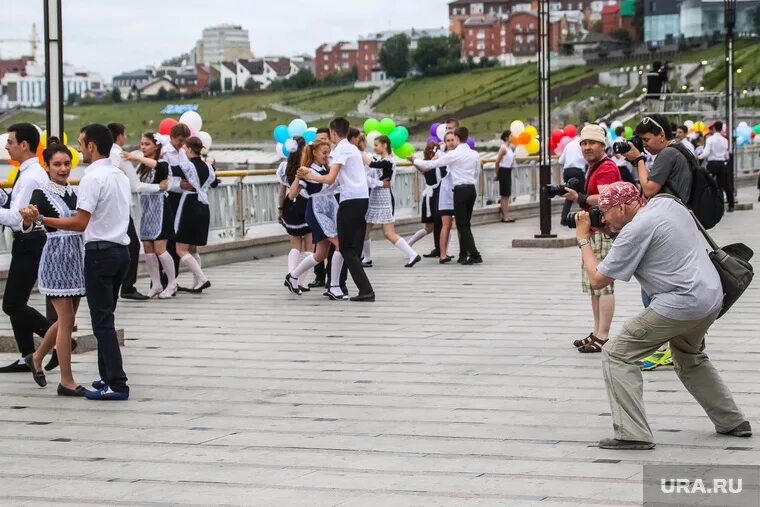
(756, 128)
(628, 132)
(386, 126)
(398, 137)
(370, 125)
(405, 150)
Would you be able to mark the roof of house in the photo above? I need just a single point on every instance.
(255, 67)
(610, 8)
(229, 66)
(154, 81)
(280, 65)
(411, 33)
(484, 21)
(467, 2)
(135, 74)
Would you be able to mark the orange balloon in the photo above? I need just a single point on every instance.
(523, 138)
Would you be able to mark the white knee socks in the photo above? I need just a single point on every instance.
(335, 269)
(151, 264)
(417, 236)
(367, 251)
(168, 264)
(191, 264)
(402, 245)
(304, 266)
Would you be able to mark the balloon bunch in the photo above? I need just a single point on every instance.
(560, 138)
(746, 134)
(284, 134)
(398, 135)
(75, 158)
(438, 132)
(612, 135)
(696, 126)
(525, 137)
(194, 122)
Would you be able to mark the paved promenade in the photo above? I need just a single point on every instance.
(458, 387)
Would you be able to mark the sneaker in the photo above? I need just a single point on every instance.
(366, 264)
(659, 358)
(98, 384)
(743, 430)
(106, 394)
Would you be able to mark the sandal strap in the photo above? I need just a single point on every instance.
(595, 345)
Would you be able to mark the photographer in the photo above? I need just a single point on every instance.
(660, 245)
(670, 170)
(602, 171)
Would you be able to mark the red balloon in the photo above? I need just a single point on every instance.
(166, 126)
(570, 130)
(753, 134)
(557, 135)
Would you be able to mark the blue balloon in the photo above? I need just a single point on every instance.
(297, 127)
(310, 135)
(281, 133)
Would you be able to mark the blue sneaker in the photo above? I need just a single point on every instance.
(98, 384)
(107, 394)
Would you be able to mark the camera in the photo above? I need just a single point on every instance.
(622, 147)
(557, 190)
(595, 214)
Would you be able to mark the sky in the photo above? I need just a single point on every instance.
(111, 37)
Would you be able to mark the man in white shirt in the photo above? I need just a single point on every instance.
(347, 167)
(716, 155)
(681, 132)
(573, 167)
(464, 165)
(23, 139)
(103, 215)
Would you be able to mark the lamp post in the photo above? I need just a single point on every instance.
(544, 115)
(53, 68)
(730, 19)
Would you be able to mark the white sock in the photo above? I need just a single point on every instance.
(191, 264)
(335, 268)
(402, 245)
(168, 264)
(151, 264)
(304, 266)
(417, 236)
(198, 260)
(293, 257)
(367, 251)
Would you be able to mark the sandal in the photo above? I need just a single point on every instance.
(595, 346)
(586, 341)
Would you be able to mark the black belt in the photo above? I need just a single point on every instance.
(466, 185)
(102, 245)
(35, 234)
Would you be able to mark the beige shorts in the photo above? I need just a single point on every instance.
(601, 245)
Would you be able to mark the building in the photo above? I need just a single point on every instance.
(369, 46)
(332, 58)
(26, 88)
(667, 21)
(129, 82)
(264, 71)
(662, 21)
(223, 43)
(462, 10)
(153, 88)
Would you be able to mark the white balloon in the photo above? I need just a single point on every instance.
(517, 127)
(441, 131)
(4, 155)
(297, 127)
(205, 138)
(371, 138)
(192, 120)
(616, 124)
(278, 148)
(688, 124)
(521, 151)
(743, 125)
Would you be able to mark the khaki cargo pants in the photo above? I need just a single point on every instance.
(640, 337)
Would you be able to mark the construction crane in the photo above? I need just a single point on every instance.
(33, 40)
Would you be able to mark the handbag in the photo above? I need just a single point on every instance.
(731, 262)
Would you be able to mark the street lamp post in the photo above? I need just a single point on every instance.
(53, 68)
(544, 118)
(730, 19)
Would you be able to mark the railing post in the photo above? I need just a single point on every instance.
(240, 207)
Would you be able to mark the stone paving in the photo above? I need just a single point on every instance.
(459, 387)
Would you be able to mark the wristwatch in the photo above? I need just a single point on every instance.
(583, 242)
(38, 222)
(637, 159)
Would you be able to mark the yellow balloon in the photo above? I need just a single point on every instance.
(65, 138)
(13, 174)
(43, 139)
(533, 146)
(74, 157)
(531, 130)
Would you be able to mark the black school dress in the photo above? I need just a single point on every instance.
(193, 216)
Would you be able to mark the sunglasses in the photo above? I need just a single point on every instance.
(647, 120)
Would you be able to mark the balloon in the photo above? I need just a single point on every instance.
(741, 141)
(386, 126)
(521, 152)
(43, 142)
(74, 157)
(192, 120)
(398, 137)
(371, 124)
(611, 134)
(434, 128)
(205, 138)
(405, 150)
(310, 135)
(440, 132)
(166, 126)
(280, 149)
(372, 136)
(281, 133)
(557, 135)
(433, 139)
(570, 130)
(4, 155)
(193, 132)
(533, 146)
(531, 130)
(756, 129)
(291, 145)
(40, 149)
(743, 124)
(628, 132)
(471, 142)
(688, 124)
(615, 125)
(297, 127)
(516, 127)
(14, 163)
(523, 138)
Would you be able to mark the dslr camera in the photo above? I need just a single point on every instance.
(595, 214)
(622, 147)
(557, 190)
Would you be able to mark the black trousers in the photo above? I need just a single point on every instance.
(719, 170)
(134, 258)
(464, 202)
(22, 275)
(104, 272)
(568, 174)
(351, 228)
(437, 222)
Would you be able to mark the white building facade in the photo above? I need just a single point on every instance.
(27, 89)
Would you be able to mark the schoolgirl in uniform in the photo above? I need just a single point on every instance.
(446, 204)
(429, 207)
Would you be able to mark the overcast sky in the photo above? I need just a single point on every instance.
(110, 37)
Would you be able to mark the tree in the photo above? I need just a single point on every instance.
(116, 95)
(621, 34)
(394, 56)
(73, 99)
(437, 55)
(252, 85)
(161, 95)
(756, 20)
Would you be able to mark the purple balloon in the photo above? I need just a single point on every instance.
(471, 142)
(434, 129)
(433, 139)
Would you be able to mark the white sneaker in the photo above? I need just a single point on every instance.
(169, 293)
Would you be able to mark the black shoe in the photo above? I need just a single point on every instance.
(39, 376)
(134, 295)
(335, 297)
(79, 391)
(200, 289)
(367, 264)
(730, 209)
(444, 260)
(436, 253)
(15, 367)
(53, 363)
(461, 260)
(743, 430)
(318, 282)
(625, 445)
(475, 259)
(291, 284)
(413, 262)
(344, 289)
(364, 298)
(180, 288)
(304, 289)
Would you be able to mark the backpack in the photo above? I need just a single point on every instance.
(706, 200)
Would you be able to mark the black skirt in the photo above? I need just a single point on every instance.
(294, 216)
(505, 181)
(193, 222)
(429, 218)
